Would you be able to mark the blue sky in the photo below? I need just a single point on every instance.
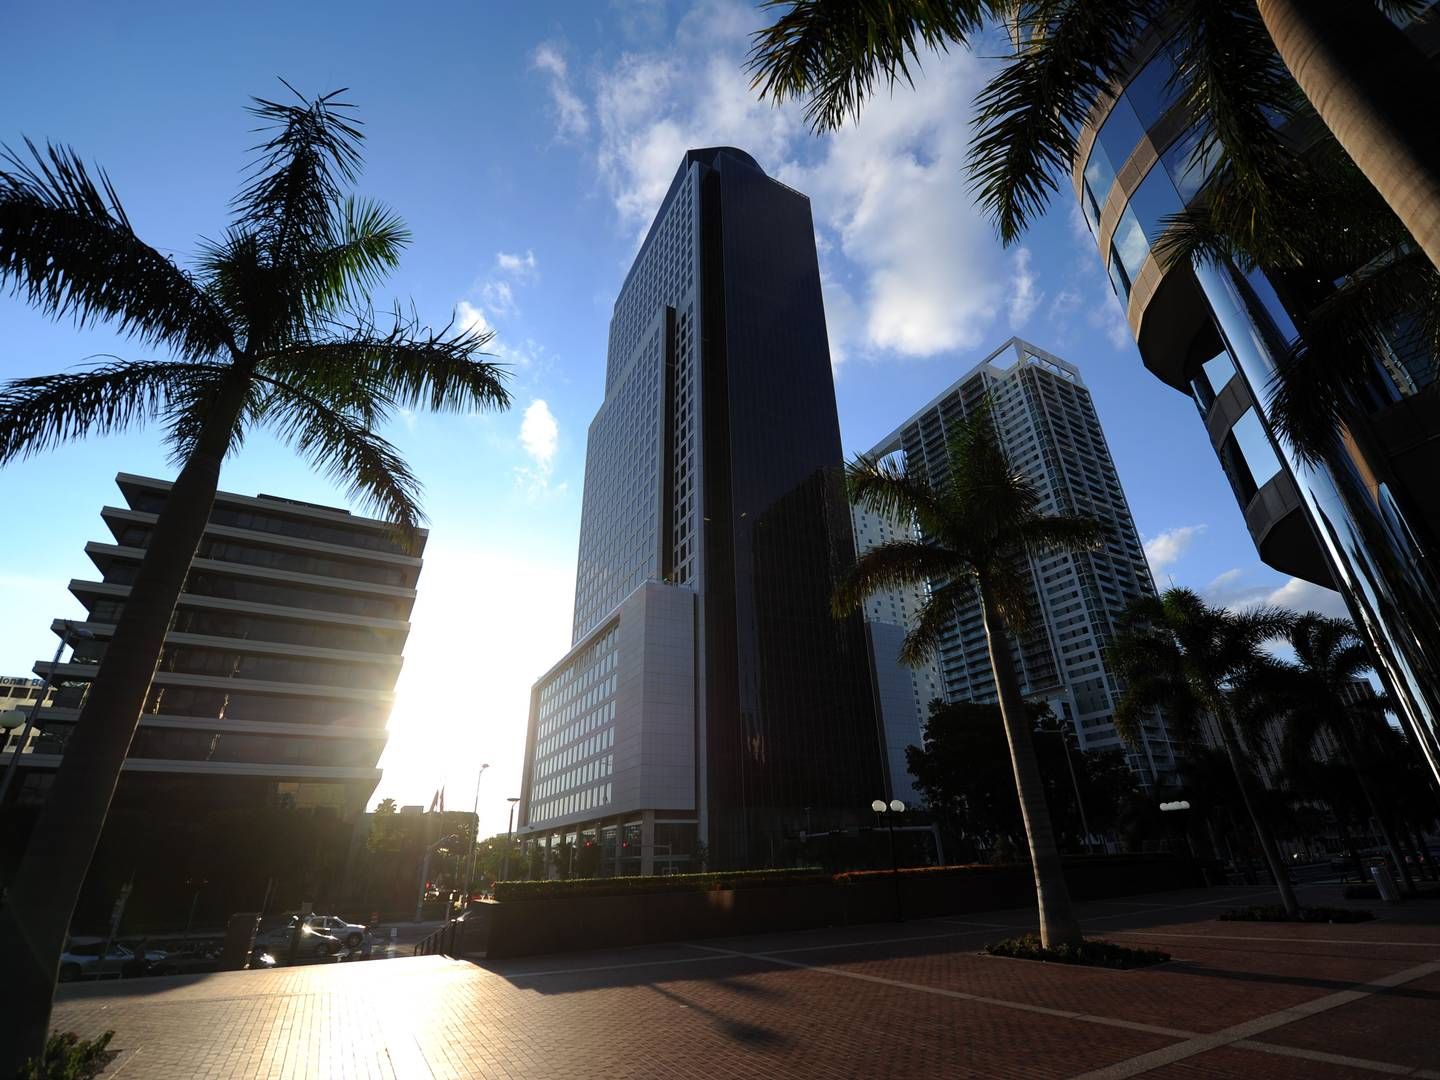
(527, 147)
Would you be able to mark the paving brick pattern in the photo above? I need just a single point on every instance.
(900, 1000)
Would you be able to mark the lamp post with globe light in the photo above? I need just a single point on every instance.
(889, 811)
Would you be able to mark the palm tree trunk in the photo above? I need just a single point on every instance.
(41, 900)
(1373, 90)
(1058, 925)
(1268, 847)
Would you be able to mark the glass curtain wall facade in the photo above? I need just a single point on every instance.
(1366, 519)
(270, 698)
(714, 466)
(1046, 423)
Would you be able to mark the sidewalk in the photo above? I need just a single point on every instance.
(899, 1000)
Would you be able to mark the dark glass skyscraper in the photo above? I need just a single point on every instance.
(710, 697)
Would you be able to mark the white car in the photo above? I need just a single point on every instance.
(82, 959)
(349, 933)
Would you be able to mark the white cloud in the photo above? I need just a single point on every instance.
(539, 433)
(924, 275)
(1234, 588)
(1166, 549)
(471, 319)
(524, 266)
(1110, 319)
(498, 296)
(1297, 594)
(572, 120)
(539, 438)
(1024, 297)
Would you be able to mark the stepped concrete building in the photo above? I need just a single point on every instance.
(1046, 423)
(274, 687)
(1364, 520)
(710, 708)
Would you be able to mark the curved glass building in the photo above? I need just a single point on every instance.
(1365, 521)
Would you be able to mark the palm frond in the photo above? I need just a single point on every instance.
(365, 244)
(899, 564)
(408, 365)
(341, 447)
(837, 52)
(888, 489)
(295, 181)
(1235, 85)
(67, 247)
(923, 641)
(44, 411)
(1027, 115)
(1072, 533)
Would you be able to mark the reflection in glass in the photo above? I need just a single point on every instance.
(1219, 370)
(1130, 245)
(1256, 447)
(1152, 92)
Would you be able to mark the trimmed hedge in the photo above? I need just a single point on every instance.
(1276, 913)
(658, 883)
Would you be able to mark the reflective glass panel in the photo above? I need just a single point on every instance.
(1118, 280)
(1150, 93)
(1153, 201)
(1119, 135)
(1099, 176)
(1186, 166)
(1130, 245)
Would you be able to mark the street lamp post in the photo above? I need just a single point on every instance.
(509, 833)
(474, 840)
(889, 811)
(67, 628)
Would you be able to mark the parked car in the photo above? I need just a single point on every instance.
(81, 959)
(185, 962)
(320, 935)
(351, 934)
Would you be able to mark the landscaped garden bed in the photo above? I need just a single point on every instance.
(1092, 952)
(1276, 913)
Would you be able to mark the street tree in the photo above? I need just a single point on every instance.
(270, 326)
(979, 527)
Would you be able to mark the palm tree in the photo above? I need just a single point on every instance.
(979, 526)
(1330, 659)
(1361, 75)
(270, 327)
(1265, 204)
(1198, 662)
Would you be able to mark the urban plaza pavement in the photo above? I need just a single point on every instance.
(897, 1000)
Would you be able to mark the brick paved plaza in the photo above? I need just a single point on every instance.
(907, 1000)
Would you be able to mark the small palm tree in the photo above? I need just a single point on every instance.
(1318, 690)
(1199, 662)
(979, 526)
(271, 327)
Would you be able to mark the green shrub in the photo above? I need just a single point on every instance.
(1091, 952)
(659, 883)
(1276, 913)
(68, 1057)
(958, 870)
